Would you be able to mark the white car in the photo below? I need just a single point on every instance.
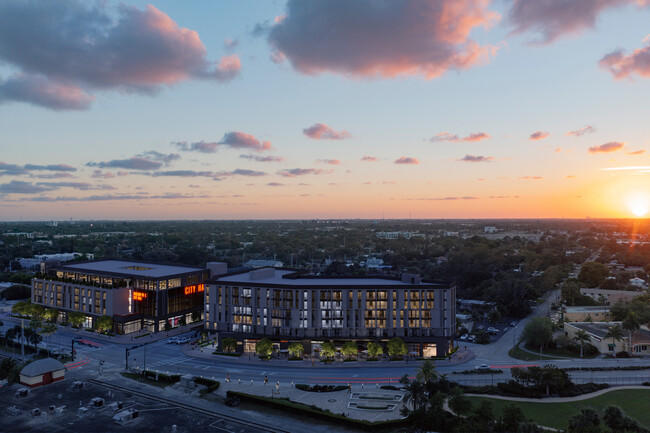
(463, 337)
(183, 340)
(482, 367)
(492, 330)
(173, 340)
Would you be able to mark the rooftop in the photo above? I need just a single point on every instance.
(129, 268)
(589, 309)
(284, 278)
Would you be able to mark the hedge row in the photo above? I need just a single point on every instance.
(212, 385)
(320, 388)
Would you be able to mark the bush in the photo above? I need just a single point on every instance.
(17, 291)
(162, 377)
(236, 355)
(390, 387)
(623, 354)
(212, 385)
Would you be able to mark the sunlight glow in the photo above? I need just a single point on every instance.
(638, 203)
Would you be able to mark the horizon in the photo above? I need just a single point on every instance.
(408, 110)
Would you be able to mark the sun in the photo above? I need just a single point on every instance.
(638, 203)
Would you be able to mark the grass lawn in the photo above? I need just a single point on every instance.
(634, 403)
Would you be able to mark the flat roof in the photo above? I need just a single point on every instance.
(128, 268)
(277, 278)
(587, 309)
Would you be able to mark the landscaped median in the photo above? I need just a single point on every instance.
(634, 402)
(313, 411)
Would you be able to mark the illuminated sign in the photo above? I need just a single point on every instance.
(139, 296)
(197, 288)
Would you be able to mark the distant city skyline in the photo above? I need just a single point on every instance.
(324, 109)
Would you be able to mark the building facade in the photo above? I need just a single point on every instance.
(136, 295)
(286, 307)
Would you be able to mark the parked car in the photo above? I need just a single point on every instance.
(463, 337)
(513, 323)
(471, 337)
(493, 331)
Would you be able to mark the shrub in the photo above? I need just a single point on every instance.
(212, 385)
(320, 388)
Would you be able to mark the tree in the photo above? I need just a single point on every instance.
(511, 419)
(427, 372)
(615, 419)
(264, 348)
(76, 319)
(615, 332)
(35, 324)
(349, 349)
(396, 347)
(296, 349)
(483, 417)
(51, 314)
(168, 326)
(228, 344)
(415, 394)
(587, 421)
(458, 401)
(328, 349)
(494, 316)
(36, 311)
(374, 349)
(538, 332)
(104, 324)
(48, 330)
(593, 274)
(581, 337)
(631, 324)
(21, 308)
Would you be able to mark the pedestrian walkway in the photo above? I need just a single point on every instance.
(461, 356)
(561, 399)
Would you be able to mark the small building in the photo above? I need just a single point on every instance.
(638, 282)
(609, 297)
(598, 330)
(586, 314)
(42, 372)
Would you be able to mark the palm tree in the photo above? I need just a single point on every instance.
(427, 372)
(415, 395)
(581, 337)
(47, 330)
(615, 332)
(630, 324)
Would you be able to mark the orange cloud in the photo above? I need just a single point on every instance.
(407, 160)
(612, 146)
(539, 135)
(623, 66)
(321, 131)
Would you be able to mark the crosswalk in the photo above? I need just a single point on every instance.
(171, 361)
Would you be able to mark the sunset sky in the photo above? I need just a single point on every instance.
(324, 109)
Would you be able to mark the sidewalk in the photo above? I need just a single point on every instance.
(462, 356)
(560, 399)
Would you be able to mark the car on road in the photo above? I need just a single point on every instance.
(493, 331)
(513, 323)
(173, 340)
(482, 367)
(183, 340)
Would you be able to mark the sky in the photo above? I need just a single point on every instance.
(324, 109)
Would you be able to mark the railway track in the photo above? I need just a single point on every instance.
(180, 405)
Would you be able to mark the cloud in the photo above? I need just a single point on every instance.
(67, 47)
(157, 156)
(612, 146)
(293, 172)
(530, 178)
(552, 19)
(629, 167)
(263, 158)
(570, 176)
(120, 197)
(183, 173)
(369, 158)
(230, 44)
(38, 90)
(232, 139)
(623, 66)
(133, 163)
(275, 184)
(242, 172)
(582, 131)
(58, 175)
(17, 170)
(320, 131)
(21, 187)
(330, 161)
(503, 196)
(407, 160)
(383, 39)
(446, 136)
(636, 152)
(447, 198)
(476, 158)
(539, 135)
(98, 174)
(82, 186)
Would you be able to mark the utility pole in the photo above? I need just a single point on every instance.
(22, 338)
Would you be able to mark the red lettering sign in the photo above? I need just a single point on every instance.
(139, 296)
(197, 288)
